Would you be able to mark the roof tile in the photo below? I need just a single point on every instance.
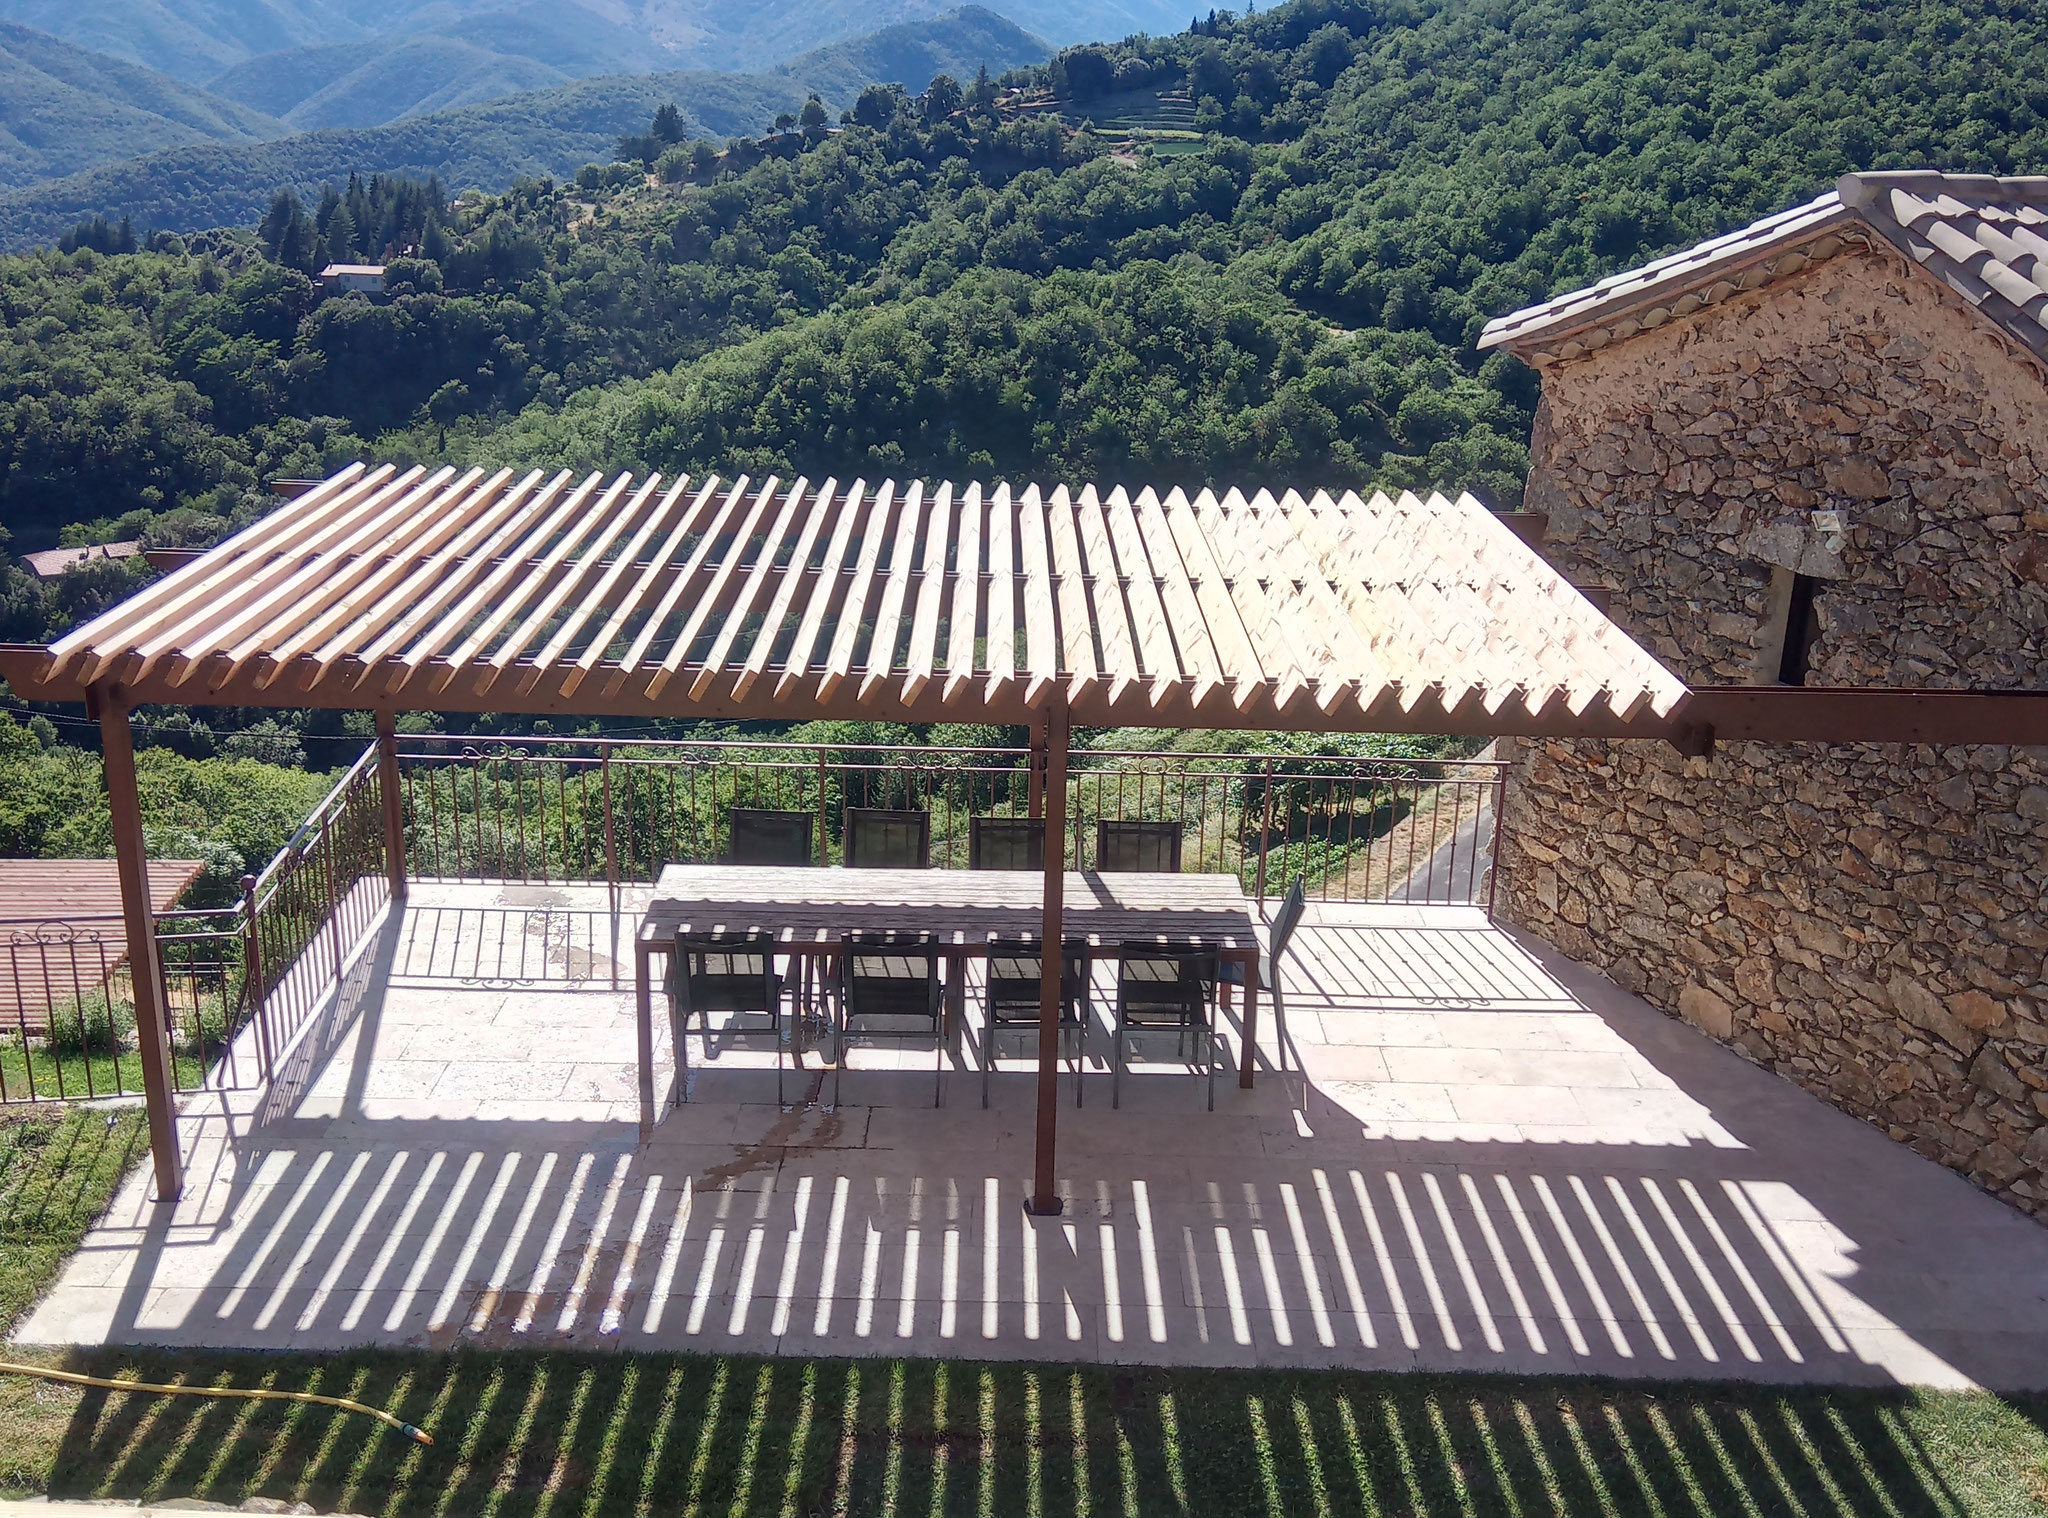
(1974, 233)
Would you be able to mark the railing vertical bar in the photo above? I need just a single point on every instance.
(1265, 833)
(252, 981)
(611, 855)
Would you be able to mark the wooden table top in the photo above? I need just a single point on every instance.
(964, 906)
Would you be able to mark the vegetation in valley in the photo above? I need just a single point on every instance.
(948, 292)
(233, 810)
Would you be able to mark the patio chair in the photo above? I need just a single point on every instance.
(889, 991)
(723, 972)
(881, 839)
(1015, 966)
(1137, 846)
(1006, 843)
(765, 837)
(1159, 989)
(1285, 921)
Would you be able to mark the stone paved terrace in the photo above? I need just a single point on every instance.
(1498, 1162)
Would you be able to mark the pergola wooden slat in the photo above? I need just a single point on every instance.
(405, 589)
(765, 599)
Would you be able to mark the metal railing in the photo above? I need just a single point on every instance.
(67, 1004)
(303, 917)
(614, 811)
(548, 810)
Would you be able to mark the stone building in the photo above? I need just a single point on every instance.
(1815, 452)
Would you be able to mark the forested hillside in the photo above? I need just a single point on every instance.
(548, 132)
(938, 289)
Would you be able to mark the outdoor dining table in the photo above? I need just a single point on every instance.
(808, 909)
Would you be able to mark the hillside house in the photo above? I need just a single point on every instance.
(53, 563)
(1813, 452)
(356, 279)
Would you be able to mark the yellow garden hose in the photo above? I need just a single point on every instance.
(74, 1379)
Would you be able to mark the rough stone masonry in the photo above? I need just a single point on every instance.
(1866, 919)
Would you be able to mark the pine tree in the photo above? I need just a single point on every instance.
(341, 237)
(284, 205)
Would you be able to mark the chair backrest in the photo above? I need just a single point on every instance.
(1287, 919)
(1022, 957)
(881, 839)
(1147, 962)
(749, 953)
(1006, 843)
(1137, 846)
(889, 955)
(764, 837)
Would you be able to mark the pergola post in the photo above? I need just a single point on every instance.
(1052, 960)
(394, 802)
(1034, 787)
(145, 969)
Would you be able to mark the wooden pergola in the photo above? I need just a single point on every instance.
(392, 590)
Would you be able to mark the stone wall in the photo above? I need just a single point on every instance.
(1866, 919)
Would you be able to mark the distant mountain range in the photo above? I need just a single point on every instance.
(63, 109)
(225, 176)
(199, 41)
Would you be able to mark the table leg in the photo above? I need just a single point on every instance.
(643, 1008)
(956, 993)
(1251, 1020)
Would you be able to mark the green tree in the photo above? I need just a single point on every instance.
(878, 105)
(942, 98)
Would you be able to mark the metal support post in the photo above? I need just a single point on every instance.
(1045, 1199)
(394, 802)
(145, 966)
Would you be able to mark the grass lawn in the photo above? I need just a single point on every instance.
(57, 1169)
(551, 1434)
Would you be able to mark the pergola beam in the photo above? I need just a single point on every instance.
(1845, 714)
(556, 693)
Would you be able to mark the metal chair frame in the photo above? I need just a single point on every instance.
(1020, 990)
(1018, 843)
(856, 987)
(868, 830)
(1145, 1003)
(700, 992)
(1278, 937)
(1285, 921)
(1128, 847)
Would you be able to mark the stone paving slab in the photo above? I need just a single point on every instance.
(1493, 1161)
